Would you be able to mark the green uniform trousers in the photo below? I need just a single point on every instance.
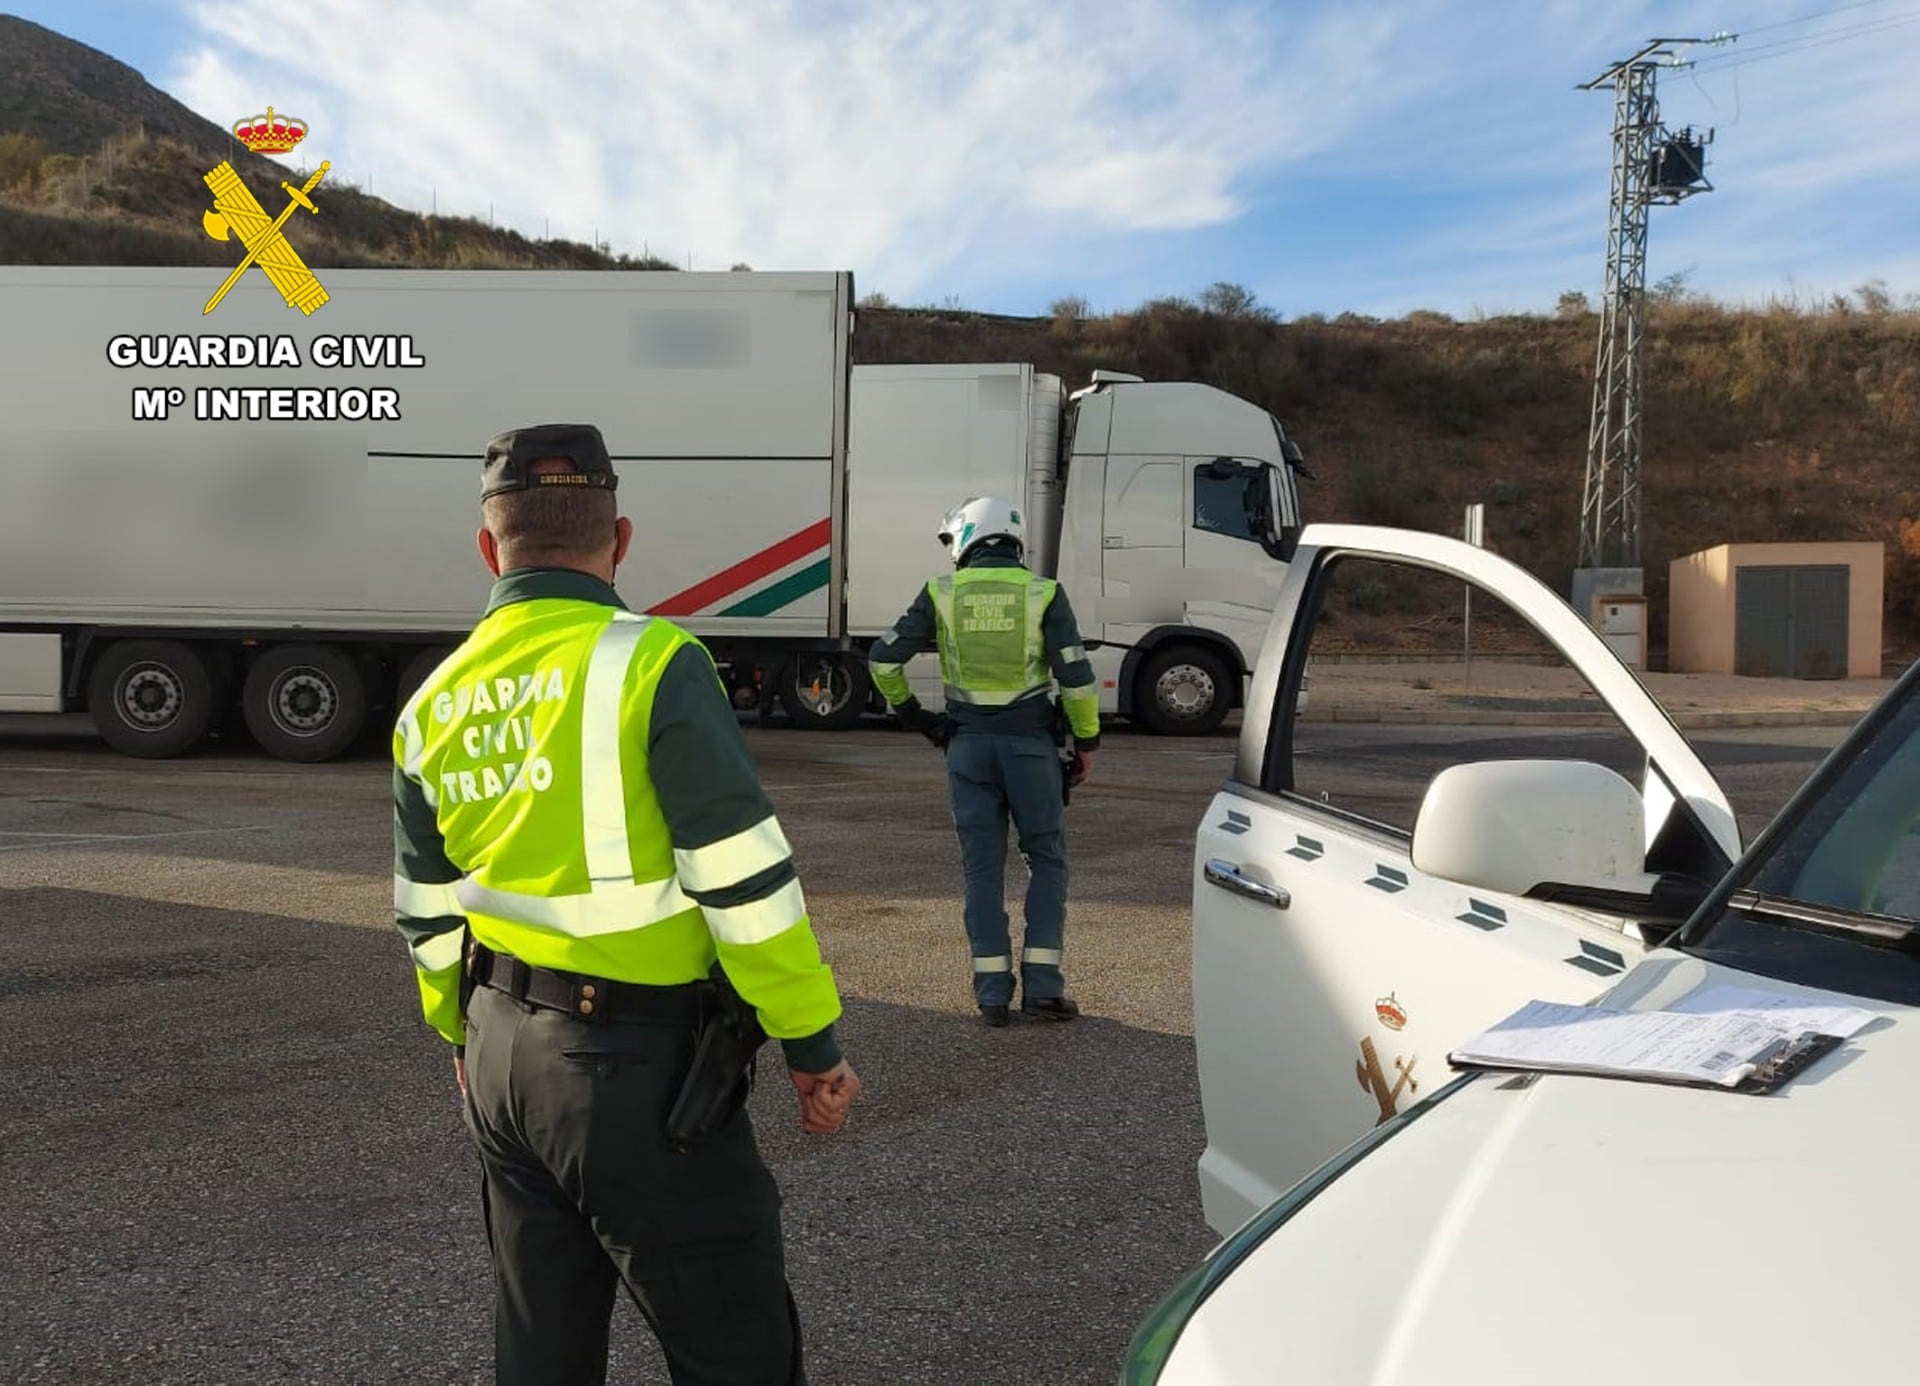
(583, 1193)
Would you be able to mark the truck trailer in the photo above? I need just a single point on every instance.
(273, 514)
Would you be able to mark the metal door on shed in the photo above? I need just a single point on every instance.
(1791, 622)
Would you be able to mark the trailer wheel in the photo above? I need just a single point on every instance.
(304, 702)
(414, 673)
(1183, 690)
(825, 692)
(151, 698)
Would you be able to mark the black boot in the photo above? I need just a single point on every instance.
(1049, 1007)
(994, 1017)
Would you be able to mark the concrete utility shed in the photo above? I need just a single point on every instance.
(1809, 611)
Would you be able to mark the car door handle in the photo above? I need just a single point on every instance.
(1227, 876)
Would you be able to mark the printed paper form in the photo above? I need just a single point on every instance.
(1794, 1013)
(1718, 1047)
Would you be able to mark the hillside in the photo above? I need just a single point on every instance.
(1760, 425)
(70, 196)
(65, 95)
(137, 200)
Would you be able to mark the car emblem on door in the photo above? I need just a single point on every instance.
(1392, 1014)
(1373, 1079)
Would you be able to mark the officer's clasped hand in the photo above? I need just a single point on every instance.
(825, 1098)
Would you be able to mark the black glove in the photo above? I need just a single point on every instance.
(937, 727)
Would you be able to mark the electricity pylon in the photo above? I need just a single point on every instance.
(1649, 165)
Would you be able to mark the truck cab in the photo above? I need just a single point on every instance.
(1166, 511)
(1181, 511)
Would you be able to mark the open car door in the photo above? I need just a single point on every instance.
(1344, 945)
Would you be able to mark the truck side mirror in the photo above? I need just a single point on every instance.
(1279, 516)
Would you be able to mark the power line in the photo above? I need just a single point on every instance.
(1818, 14)
(1805, 40)
(1770, 52)
(1736, 57)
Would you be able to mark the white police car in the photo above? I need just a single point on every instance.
(1505, 1228)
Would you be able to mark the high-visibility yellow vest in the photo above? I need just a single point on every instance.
(530, 744)
(992, 649)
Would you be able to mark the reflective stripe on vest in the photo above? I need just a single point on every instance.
(992, 645)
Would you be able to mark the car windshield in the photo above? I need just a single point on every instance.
(1858, 845)
(1849, 848)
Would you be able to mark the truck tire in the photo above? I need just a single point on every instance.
(825, 692)
(151, 698)
(304, 702)
(1183, 690)
(414, 673)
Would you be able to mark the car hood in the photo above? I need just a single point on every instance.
(1580, 1230)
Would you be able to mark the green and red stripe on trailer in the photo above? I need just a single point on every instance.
(727, 586)
(819, 690)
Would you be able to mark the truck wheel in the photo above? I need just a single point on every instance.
(825, 692)
(151, 698)
(304, 702)
(1183, 690)
(414, 673)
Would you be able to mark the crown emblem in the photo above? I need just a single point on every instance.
(270, 134)
(1391, 1013)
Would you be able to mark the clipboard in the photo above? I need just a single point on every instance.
(1792, 1058)
(1736, 1050)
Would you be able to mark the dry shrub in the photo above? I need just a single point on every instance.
(20, 158)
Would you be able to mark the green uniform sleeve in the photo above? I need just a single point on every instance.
(1078, 693)
(733, 860)
(425, 907)
(914, 633)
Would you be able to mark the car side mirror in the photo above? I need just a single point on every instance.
(1523, 825)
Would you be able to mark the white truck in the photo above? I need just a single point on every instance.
(279, 514)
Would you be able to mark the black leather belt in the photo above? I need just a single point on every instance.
(587, 998)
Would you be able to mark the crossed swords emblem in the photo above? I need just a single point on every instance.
(1373, 1079)
(236, 210)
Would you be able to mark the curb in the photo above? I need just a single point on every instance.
(1487, 717)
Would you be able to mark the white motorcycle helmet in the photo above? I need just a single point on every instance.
(973, 522)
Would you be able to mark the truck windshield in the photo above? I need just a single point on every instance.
(1851, 846)
(1227, 500)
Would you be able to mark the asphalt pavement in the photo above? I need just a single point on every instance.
(231, 1152)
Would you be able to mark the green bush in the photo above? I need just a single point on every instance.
(1370, 596)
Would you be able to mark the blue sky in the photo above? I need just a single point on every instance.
(1332, 156)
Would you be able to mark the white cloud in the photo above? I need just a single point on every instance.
(1330, 154)
(1152, 189)
(899, 138)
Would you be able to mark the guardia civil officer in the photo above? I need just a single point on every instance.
(572, 791)
(1005, 637)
